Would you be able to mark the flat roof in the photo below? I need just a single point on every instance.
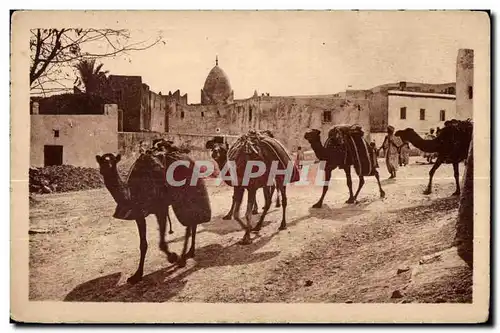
(420, 94)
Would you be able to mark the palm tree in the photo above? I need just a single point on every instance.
(91, 76)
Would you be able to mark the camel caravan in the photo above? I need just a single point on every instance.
(152, 187)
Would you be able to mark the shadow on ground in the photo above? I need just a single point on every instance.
(165, 283)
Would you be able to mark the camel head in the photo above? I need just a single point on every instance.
(107, 162)
(405, 134)
(312, 135)
(219, 151)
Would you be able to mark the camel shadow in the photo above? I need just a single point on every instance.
(339, 214)
(223, 227)
(436, 205)
(162, 285)
(388, 181)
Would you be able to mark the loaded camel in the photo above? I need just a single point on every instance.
(219, 154)
(143, 194)
(451, 145)
(336, 155)
(255, 146)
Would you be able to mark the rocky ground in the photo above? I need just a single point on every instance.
(397, 249)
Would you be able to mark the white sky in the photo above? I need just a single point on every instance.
(298, 53)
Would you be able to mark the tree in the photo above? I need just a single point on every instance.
(91, 77)
(54, 53)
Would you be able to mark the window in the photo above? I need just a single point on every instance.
(327, 116)
(422, 114)
(202, 114)
(470, 92)
(56, 133)
(250, 114)
(442, 115)
(402, 112)
(182, 114)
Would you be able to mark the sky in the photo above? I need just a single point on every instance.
(301, 53)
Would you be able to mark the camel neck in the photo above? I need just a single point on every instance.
(318, 149)
(116, 186)
(429, 146)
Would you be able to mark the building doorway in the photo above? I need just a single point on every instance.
(52, 155)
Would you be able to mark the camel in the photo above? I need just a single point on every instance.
(336, 156)
(451, 146)
(128, 196)
(246, 149)
(219, 154)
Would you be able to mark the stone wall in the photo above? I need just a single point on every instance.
(128, 143)
(287, 117)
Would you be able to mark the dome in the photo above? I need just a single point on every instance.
(217, 89)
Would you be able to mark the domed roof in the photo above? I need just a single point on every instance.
(217, 89)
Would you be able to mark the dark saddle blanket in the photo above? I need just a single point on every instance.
(262, 146)
(349, 141)
(150, 187)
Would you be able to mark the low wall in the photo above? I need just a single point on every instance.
(128, 142)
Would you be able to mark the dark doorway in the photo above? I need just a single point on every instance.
(52, 155)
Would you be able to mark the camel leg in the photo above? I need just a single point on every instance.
(169, 222)
(190, 253)
(238, 197)
(456, 175)
(248, 215)
(141, 226)
(182, 260)
(162, 223)
(328, 175)
(268, 199)
(278, 201)
(347, 171)
(377, 177)
(360, 186)
(229, 215)
(255, 209)
(436, 165)
(271, 190)
(283, 204)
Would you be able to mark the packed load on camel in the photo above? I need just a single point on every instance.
(349, 142)
(275, 169)
(147, 180)
(262, 146)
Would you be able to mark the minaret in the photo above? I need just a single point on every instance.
(464, 83)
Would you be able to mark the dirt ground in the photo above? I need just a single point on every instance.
(397, 249)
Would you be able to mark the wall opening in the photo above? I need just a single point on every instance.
(327, 116)
(52, 155)
(182, 114)
(120, 120)
(470, 92)
(442, 115)
(202, 114)
(422, 114)
(402, 112)
(56, 133)
(250, 114)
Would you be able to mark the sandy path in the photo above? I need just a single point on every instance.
(339, 248)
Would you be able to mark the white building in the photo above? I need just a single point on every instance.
(420, 111)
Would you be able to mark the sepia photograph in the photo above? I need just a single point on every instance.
(250, 166)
